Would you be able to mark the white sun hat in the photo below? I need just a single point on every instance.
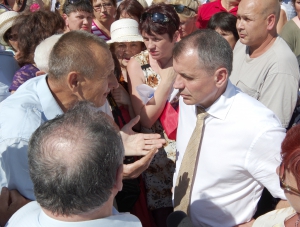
(125, 30)
(6, 21)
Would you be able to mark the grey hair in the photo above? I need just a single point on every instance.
(74, 51)
(73, 160)
(213, 50)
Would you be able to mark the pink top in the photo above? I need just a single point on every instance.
(97, 31)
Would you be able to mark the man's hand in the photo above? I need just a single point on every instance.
(139, 144)
(133, 170)
(10, 202)
(246, 224)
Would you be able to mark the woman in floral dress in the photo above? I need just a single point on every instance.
(153, 67)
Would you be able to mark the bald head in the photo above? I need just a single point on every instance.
(68, 156)
(264, 8)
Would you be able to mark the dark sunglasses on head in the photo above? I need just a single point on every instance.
(283, 185)
(180, 8)
(155, 17)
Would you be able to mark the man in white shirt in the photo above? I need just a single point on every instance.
(76, 172)
(240, 146)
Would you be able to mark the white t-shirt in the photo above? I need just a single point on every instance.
(31, 215)
(239, 154)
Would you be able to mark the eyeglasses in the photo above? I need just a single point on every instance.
(155, 17)
(283, 185)
(104, 5)
(181, 8)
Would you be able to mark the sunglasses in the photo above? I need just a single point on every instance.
(181, 8)
(283, 185)
(155, 17)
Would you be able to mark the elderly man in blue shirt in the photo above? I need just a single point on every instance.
(76, 72)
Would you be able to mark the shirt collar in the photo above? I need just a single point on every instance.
(115, 220)
(220, 108)
(49, 105)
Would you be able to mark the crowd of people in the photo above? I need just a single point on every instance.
(149, 113)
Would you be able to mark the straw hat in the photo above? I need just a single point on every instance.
(6, 22)
(125, 30)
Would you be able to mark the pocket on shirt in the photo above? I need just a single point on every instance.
(250, 91)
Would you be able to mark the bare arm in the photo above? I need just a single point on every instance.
(10, 202)
(151, 111)
(122, 97)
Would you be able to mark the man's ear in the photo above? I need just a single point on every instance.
(119, 178)
(271, 22)
(221, 77)
(66, 19)
(73, 81)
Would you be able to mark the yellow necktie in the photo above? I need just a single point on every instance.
(185, 176)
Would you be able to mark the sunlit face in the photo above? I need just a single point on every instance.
(251, 24)
(187, 25)
(126, 50)
(79, 20)
(97, 88)
(124, 14)
(228, 36)
(196, 86)
(104, 10)
(297, 7)
(159, 46)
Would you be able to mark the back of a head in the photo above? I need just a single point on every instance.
(213, 50)
(290, 152)
(224, 21)
(170, 27)
(73, 160)
(33, 28)
(131, 7)
(69, 54)
(42, 52)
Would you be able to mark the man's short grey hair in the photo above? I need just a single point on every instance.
(75, 51)
(73, 160)
(213, 50)
(42, 52)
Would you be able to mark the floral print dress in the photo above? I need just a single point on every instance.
(159, 176)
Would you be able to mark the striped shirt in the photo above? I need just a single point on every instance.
(97, 31)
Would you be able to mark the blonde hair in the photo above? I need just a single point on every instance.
(193, 4)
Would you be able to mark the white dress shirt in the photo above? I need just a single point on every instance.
(20, 115)
(32, 215)
(239, 154)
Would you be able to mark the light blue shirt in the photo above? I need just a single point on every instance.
(31, 215)
(8, 67)
(20, 115)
